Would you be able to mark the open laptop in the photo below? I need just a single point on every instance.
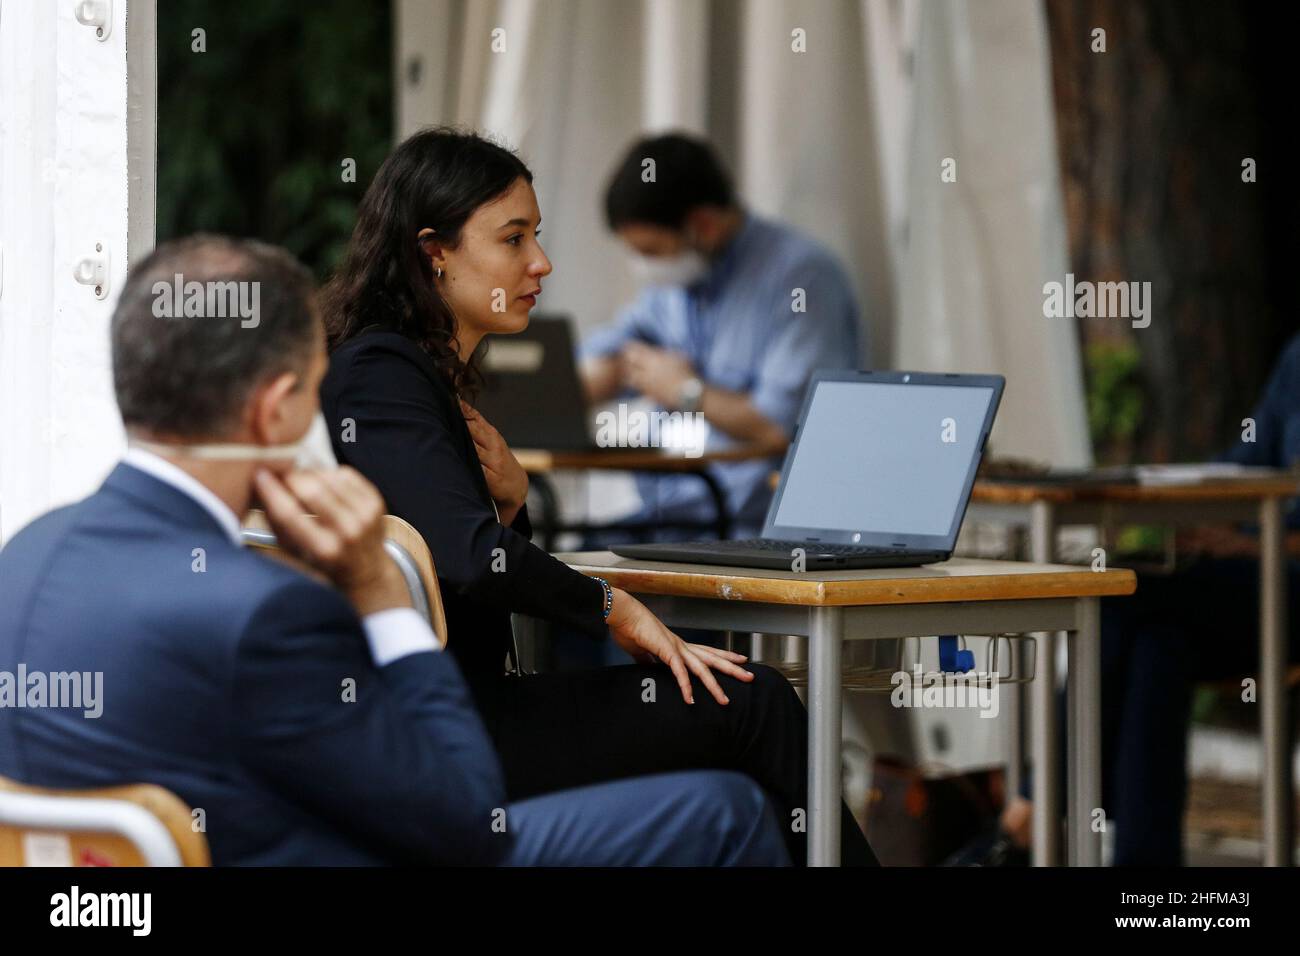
(879, 475)
(531, 391)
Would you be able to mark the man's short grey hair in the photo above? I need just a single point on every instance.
(187, 371)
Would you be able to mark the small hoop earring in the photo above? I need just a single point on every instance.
(437, 272)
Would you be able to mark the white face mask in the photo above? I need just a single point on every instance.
(682, 269)
(311, 452)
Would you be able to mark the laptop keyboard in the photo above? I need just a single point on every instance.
(782, 547)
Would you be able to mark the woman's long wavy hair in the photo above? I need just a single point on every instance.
(434, 179)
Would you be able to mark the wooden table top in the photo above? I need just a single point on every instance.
(631, 459)
(1216, 489)
(960, 579)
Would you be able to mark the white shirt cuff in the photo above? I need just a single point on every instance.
(397, 632)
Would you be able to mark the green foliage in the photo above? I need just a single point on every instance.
(1115, 411)
(1206, 706)
(1141, 539)
(252, 134)
(1115, 397)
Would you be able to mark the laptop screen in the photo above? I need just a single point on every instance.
(883, 462)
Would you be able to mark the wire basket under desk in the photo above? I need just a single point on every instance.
(1011, 660)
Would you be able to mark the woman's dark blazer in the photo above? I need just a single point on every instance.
(410, 439)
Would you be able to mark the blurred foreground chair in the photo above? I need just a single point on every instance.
(134, 825)
(403, 544)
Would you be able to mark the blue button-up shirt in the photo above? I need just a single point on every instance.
(1277, 417)
(742, 329)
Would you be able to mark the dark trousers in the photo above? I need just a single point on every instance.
(697, 818)
(571, 729)
(1200, 623)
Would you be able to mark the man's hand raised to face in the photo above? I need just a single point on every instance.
(334, 521)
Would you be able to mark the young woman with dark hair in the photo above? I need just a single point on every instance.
(444, 253)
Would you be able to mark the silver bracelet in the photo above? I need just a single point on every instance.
(609, 596)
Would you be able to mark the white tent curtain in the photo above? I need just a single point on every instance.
(977, 251)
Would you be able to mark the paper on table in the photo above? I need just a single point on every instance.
(1195, 472)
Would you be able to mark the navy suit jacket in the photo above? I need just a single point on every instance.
(227, 687)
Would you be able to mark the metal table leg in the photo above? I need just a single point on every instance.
(1272, 684)
(825, 647)
(1014, 709)
(1083, 696)
(1047, 801)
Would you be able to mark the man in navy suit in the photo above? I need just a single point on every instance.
(305, 722)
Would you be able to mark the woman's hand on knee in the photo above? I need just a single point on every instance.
(643, 636)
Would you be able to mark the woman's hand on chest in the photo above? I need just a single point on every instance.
(506, 479)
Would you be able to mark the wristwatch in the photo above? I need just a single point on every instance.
(691, 394)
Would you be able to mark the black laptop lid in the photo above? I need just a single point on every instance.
(531, 392)
(884, 459)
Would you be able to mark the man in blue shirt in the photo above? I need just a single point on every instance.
(736, 314)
